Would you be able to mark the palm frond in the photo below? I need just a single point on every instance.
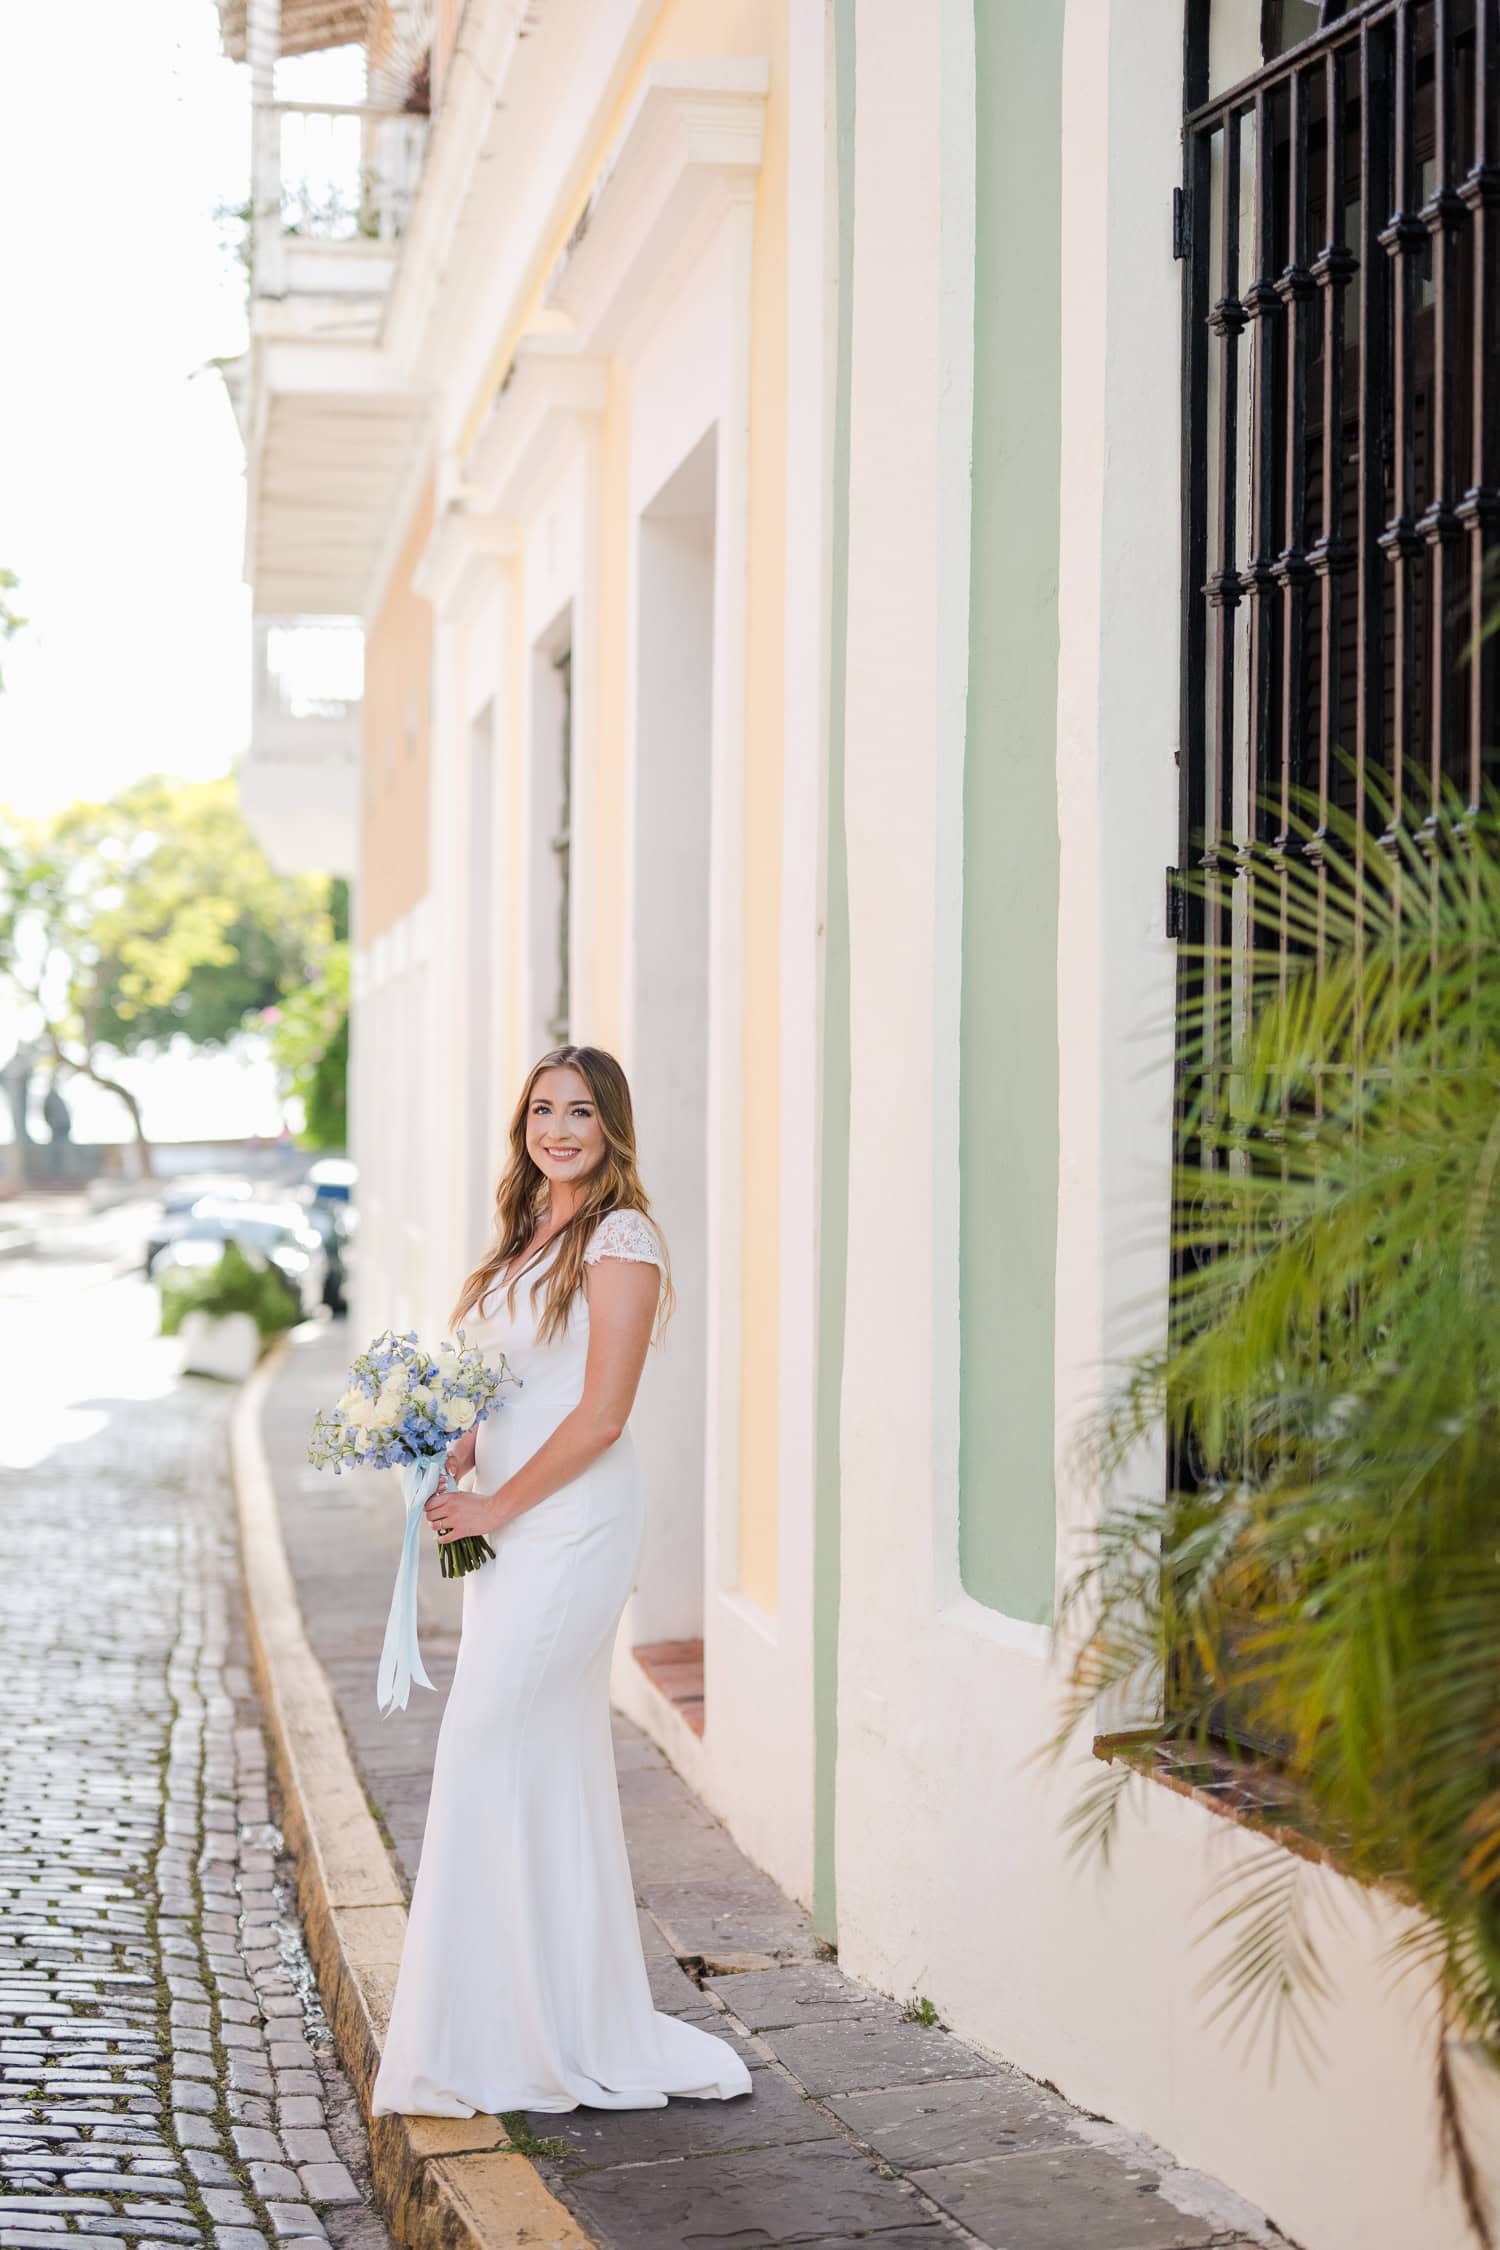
(1323, 1567)
(1271, 1976)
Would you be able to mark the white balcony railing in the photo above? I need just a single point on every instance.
(347, 171)
(329, 177)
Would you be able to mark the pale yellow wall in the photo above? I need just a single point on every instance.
(395, 780)
(690, 29)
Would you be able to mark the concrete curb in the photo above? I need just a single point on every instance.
(442, 2183)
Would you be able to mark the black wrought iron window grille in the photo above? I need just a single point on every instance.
(1339, 222)
(1342, 409)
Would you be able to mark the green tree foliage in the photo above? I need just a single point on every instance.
(11, 622)
(310, 1044)
(1327, 1566)
(157, 913)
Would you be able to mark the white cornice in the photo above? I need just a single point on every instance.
(528, 91)
(550, 389)
(490, 38)
(689, 151)
(462, 559)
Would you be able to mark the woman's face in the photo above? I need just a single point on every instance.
(563, 1135)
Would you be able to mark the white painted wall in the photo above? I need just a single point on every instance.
(501, 176)
(686, 484)
(779, 1816)
(953, 1877)
(481, 994)
(489, 664)
(689, 371)
(390, 1129)
(670, 1012)
(549, 1012)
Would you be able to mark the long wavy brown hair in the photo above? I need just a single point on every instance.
(521, 1199)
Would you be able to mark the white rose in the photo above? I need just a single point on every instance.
(461, 1412)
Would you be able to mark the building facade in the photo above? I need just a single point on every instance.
(752, 438)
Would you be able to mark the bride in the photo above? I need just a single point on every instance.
(522, 1982)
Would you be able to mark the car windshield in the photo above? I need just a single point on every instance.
(262, 1234)
(262, 1230)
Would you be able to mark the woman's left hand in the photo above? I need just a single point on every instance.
(463, 1515)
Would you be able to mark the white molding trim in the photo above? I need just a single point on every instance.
(552, 387)
(490, 39)
(463, 559)
(527, 90)
(689, 151)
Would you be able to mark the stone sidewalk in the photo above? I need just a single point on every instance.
(166, 2075)
(864, 2123)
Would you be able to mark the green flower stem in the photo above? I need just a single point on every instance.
(460, 1556)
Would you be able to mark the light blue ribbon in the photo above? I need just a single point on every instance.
(400, 1658)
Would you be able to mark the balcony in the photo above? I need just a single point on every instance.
(330, 430)
(299, 779)
(330, 424)
(333, 184)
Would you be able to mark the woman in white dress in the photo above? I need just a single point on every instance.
(522, 1982)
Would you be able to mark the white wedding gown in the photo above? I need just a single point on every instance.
(522, 1982)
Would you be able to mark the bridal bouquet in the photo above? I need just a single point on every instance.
(401, 1408)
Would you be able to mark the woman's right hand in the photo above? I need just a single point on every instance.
(460, 1459)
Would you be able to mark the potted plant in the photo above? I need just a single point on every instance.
(226, 1315)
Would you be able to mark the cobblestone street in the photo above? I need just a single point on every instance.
(869, 2118)
(166, 2074)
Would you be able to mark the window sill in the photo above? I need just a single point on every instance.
(1251, 1793)
(675, 1670)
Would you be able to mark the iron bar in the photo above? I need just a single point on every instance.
(1262, 303)
(1296, 289)
(1227, 321)
(1479, 509)
(1443, 215)
(1402, 238)
(1332, 553)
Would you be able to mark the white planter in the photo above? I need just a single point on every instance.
(224, 1344)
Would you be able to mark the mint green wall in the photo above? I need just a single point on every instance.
(834, 1181)
(1009, 1021)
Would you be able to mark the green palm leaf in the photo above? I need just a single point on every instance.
(1324, 1570)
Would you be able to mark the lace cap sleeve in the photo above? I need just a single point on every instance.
(624, 1234)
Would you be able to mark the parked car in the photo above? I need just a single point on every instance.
(181, 1197)
(279, 1231)
(332, 1179)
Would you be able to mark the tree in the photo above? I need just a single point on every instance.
(127, 923)
(310, 1044)
(11, 622)
(1324, 1569)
